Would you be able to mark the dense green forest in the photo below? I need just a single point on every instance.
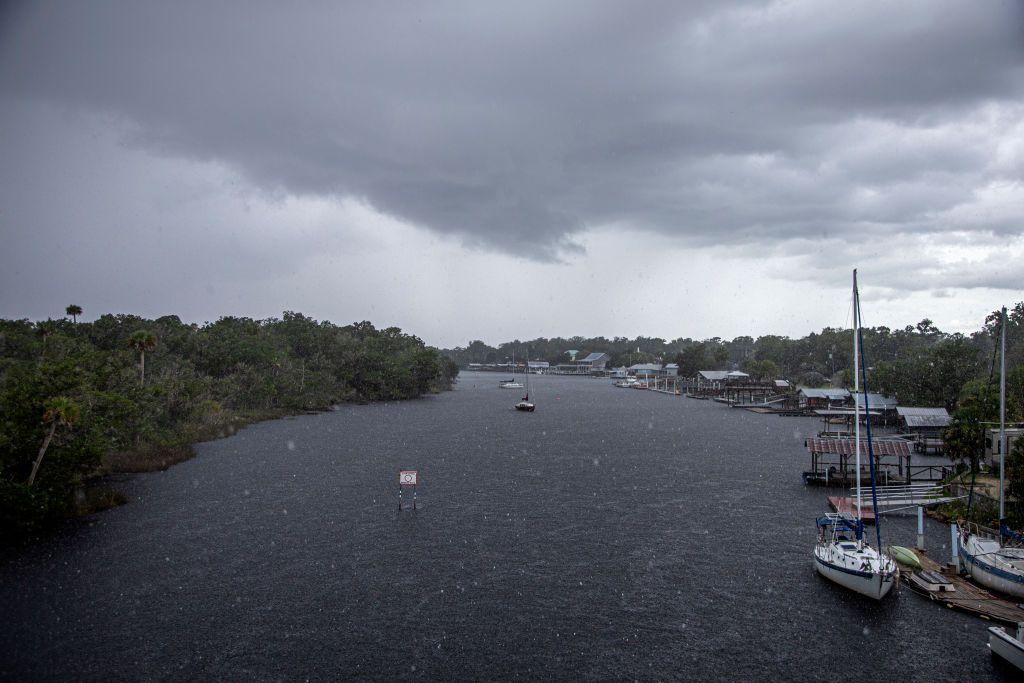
(128, 394)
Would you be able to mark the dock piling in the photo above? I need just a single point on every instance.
(954, 547)
(920, 527)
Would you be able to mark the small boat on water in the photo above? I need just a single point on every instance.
(511, 383)
(1009, 647)
(524, 404)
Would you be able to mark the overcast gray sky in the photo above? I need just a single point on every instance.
(501, 170)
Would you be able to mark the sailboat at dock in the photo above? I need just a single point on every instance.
(841, 553)
(988, 560)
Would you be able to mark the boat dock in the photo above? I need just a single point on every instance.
(966, 597)
(848, 506)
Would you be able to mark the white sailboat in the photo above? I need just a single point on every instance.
(851, 561)
(512, 383)
(985, 558)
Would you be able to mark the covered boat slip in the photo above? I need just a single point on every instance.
(833, 462)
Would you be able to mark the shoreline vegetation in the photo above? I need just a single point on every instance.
(919, 365)
(80, 401)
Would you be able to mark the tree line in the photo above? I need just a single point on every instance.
(76, 397)
(919, 364)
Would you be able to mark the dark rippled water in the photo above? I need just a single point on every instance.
(612, 534)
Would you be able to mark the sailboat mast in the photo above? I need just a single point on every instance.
(867, 423)
(856, 382)
(1002, 411)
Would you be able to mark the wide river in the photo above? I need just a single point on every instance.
(612, 534)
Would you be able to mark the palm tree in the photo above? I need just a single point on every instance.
(44, 328)
(142, 341)
(74, 310)
(60, 411)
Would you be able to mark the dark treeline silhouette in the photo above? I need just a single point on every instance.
(919, 364)
(127, 393)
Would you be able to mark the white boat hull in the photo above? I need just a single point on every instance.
(983, 562)
(512, 385)
(873, 584)
(1006, 646)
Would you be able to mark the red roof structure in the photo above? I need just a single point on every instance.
(846, 446)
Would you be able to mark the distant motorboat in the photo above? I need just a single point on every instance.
(1009, 647)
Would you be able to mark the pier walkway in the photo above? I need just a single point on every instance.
(967, 597)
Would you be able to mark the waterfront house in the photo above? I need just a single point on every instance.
(823, 398)
(1013, 432)
(594, 363)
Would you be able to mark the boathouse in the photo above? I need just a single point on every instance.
(834, 462)
(711, 379)
(594, 363)
(883, 408)
(924, 426)
(645, 371)
(823, 399)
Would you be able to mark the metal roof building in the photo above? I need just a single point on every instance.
(924, 418)
(875, 401)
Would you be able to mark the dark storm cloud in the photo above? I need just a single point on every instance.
(517, 123)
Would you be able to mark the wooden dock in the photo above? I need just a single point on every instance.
(967, 597)
(847, 506)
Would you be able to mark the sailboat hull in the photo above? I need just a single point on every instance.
(873, 584)
(1005, 580)
(1006, 646)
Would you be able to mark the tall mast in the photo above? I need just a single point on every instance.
(1002, 410)
(856, 382)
